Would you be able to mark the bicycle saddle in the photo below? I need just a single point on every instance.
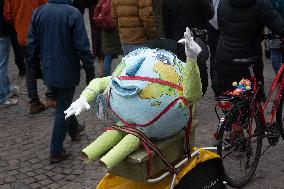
(246, 61)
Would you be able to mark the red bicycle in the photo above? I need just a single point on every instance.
(244, 124)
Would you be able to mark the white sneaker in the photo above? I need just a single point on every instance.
(14, 90)
(9, 102)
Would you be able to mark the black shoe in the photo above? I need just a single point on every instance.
(76, 136)
(58, 157)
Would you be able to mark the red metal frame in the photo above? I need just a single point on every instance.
(255, 104)
(269, 95)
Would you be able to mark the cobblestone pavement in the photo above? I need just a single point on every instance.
(24, 146)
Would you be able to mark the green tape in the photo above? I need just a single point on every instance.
(125, 147)
(102, 144)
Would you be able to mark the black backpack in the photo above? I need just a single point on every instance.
(206, 175)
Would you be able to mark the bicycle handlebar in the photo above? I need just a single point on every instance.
(271, 35)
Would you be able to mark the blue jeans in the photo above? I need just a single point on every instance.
(4, 59)
(64, 97)
(107, 65)
(127, 48)
(276, 59)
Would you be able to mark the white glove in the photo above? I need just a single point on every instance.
(77, 107)
(192, 49)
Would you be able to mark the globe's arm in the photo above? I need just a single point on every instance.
(95, 87)
(192, 87)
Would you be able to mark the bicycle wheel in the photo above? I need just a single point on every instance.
(280, 116)
(240, 152)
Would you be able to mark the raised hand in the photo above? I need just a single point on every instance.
(192, 49)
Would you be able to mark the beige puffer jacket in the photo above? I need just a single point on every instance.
(134, 20)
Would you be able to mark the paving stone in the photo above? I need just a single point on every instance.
(48, 167)
(31, 174)
(37, 166)
(57, 177)
(13, 162)
(26, 169)
(19, 185)
(54, 186)
(34, 160)
(14, 172)
(36, 185)
(5, 186)
(21, 176)
(45, 182)
(3, 163)
(70, 177)
(29, 180)
(40, 171)
(67, 171)
(10, 179)
(40, 177)
(78, 172)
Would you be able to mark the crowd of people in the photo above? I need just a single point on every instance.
(49, 39)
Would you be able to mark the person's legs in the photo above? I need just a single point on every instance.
(35, 105)
(276, 59)
(4, 59)
(213, 36)
(64, 97)
(19, 57)
(107, 65)
(201, 62)
(127, 48)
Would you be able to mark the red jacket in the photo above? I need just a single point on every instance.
(19, 13)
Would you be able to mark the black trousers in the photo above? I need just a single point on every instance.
(19, 57)
(213, 37)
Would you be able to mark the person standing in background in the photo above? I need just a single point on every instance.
(275, 45)
(18, 13)
(96, 35)
(158, 17)
(19, 57)
(177, 15)
(60, 60)
(241, 24)
(111, 48)
(135, 23)
(213, 36)
(5, 88)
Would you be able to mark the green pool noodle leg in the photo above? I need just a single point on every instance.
(125, 147)
(102, 144)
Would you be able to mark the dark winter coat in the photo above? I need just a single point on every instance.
(179, 14)
(241, 24)
(4, 27)
(57, 33)
(110, 42)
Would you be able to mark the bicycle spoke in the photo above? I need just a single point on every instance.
(240, 149)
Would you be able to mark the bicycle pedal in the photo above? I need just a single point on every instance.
(273, 134)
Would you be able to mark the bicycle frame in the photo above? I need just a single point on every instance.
(255, 103)
(276, 99)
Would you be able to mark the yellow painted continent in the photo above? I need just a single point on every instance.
(166, 72)
(156, 90)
